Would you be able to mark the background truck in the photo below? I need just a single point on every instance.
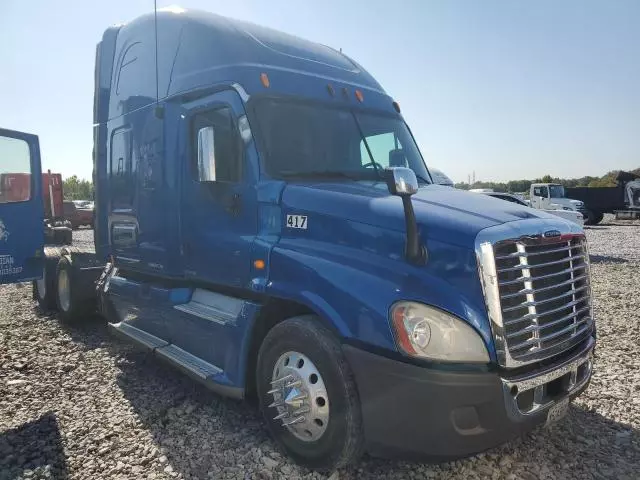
(266, 223)
(622, 200)
(552, 196)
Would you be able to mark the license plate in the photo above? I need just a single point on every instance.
(558, 411)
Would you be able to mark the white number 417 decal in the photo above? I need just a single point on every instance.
(297, 221)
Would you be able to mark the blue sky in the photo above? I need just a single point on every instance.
(510, 89)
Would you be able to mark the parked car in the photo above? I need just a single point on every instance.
(440, 178)
(77, 216)
(571, 215)
(82, 203)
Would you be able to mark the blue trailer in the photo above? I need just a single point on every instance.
(266, 223)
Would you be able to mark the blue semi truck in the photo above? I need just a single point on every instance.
(266, 223)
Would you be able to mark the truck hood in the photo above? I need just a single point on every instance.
(443, 213)
(566, 202)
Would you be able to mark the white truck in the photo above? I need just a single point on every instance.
(551, 196)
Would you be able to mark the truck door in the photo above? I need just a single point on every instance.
(540, 197)
(218, 211)
(21, 209)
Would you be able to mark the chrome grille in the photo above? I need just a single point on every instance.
(544, 295)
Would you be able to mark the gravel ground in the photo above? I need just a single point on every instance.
(77, 403)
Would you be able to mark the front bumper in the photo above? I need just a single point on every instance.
(418, 412)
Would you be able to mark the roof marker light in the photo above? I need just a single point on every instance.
(330, 89)
(396, 105)
(359, 96)
(265, 80)
(345, 93)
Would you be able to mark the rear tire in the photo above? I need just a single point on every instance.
(589, 216)
(597, 218)
(44, 291)
(74, 293)
(337, 433)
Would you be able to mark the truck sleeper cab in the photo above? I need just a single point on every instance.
(269, 226)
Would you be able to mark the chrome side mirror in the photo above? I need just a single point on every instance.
(206, 155)
(401, 181)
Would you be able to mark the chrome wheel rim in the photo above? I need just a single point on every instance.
(64, 294)
(299, 396)
(41, 285)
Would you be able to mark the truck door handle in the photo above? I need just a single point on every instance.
(233, 204)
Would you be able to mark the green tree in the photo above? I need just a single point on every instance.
(519, 186)
(77, 189)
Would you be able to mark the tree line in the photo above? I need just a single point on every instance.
(607, 180)
(79, 189)
(75, 188)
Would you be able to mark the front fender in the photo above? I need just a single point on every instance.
(353, 289)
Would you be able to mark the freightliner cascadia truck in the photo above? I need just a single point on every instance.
(266, 223)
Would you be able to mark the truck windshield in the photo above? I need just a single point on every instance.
(556, 191)
(304, 140)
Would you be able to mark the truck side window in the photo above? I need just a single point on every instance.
(381, 146)
(15, 170)
(216, 147)
(122, 176)
(540, 192)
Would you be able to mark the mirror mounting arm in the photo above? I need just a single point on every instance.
(414, 251)
(403, 183)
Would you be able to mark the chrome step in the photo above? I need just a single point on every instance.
(139, 336)
(194, 364)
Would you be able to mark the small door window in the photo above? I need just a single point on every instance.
(216, 147)
(15, 170)
(386, 150)
(540, 192)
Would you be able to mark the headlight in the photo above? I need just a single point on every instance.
(426, 332)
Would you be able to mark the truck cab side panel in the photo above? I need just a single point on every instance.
(364, 284)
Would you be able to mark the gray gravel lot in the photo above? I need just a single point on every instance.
(77, 403)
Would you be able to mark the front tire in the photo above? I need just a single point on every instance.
(308, 396)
